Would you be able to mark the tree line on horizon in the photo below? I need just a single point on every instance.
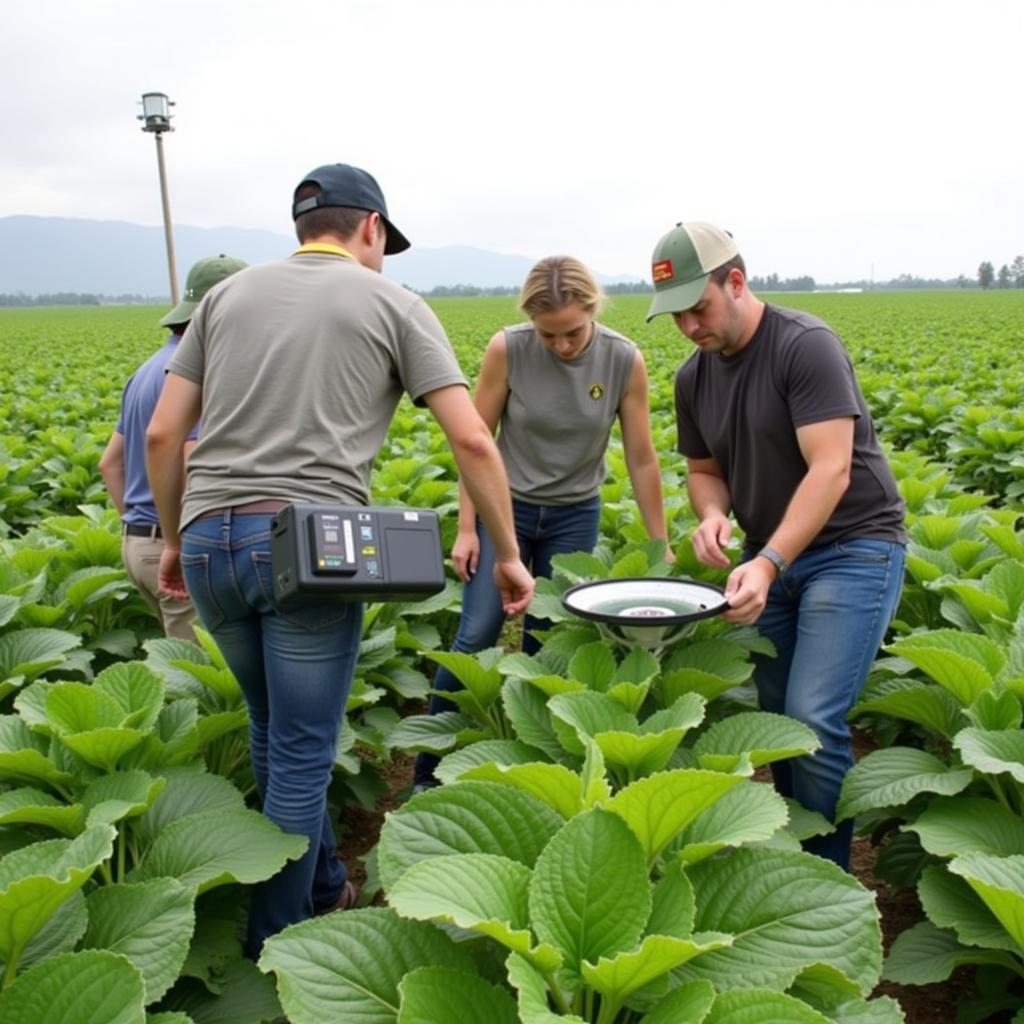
(1009, 275)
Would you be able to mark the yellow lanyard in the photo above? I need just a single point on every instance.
(331, 250)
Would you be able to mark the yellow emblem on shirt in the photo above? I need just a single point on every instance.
(596, 391)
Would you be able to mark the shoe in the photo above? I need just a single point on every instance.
(348, 900)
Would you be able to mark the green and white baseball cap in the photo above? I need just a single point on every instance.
(205, 273)
(682, 263)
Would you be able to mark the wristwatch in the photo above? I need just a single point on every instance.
(781, 565)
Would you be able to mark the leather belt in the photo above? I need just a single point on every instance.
(152, 531)
(266, 507)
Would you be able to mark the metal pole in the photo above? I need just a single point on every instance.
(168, 234)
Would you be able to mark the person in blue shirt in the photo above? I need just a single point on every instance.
(123, 463)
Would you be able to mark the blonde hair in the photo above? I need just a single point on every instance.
(556, 282)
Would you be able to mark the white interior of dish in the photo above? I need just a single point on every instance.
(644, 600)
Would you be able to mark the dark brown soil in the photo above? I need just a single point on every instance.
(900, 910)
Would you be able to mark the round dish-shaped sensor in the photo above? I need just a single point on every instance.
(645, 611)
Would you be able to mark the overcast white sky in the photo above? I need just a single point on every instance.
(832, 138)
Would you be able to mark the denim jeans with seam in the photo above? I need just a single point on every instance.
(827, 616)
(295, 668)
(542, 531)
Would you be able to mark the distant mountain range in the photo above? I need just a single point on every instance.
(45, 255)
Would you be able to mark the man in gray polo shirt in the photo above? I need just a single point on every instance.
(298, 366)
(775, 431)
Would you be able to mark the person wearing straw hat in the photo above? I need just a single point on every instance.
(123, 463)
(776, 434)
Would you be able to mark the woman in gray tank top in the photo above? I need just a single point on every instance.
(552, 389)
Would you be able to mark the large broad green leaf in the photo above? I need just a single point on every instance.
(211, 727)
(103, 748)
(590, 895)
(431, 994)
(169, 1018)
(673, 907)
(465, 817)
(660, 806)
(28, 652)
(999, 881)
(112, 798)
(587, 714)
(924, 703)
(559, 787)
(483, 682)
(532, 994)
(787, 911)
(955, 825)
(78, 707)
(60, 934)
(635, 755)
(137, 689)
(150, 924)
(750, 812)
(594, 665)
(963, 663)
(243, 996)
(925, 954)
(804, 823)
(950, 902)
(691, 1002)
(994, 753)
(36, 879)
(499, 752)
(23, 756)
(434, 733)
(92, 987)
(996, 711)
(29, 806)
(187, 790)
(686, 712)
(167, 656)
(830, 992)
(175, 740)
(491, 899)
(617, 978)
(762, 1006)
(215, 848)
(890, 778)
(639, 666)
(527, 709)
(764, 736)
(675, 684)
(348, 967)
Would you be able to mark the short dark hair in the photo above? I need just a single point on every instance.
(720, 274)
(326, 220)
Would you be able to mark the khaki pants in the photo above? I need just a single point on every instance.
(142, 562)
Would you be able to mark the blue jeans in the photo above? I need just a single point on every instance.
(826, 616)
(542, 531)
(295, 668)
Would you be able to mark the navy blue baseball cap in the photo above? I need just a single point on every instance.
(345, 185)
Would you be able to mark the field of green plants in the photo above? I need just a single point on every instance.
(604, 848)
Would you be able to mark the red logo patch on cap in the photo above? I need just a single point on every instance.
(662, 271)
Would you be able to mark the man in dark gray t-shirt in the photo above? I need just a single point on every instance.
(775, 432)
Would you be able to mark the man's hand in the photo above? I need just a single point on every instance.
(169, 577)
(515, 584)
(710, 540)
(746, 591)
(465, 554)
